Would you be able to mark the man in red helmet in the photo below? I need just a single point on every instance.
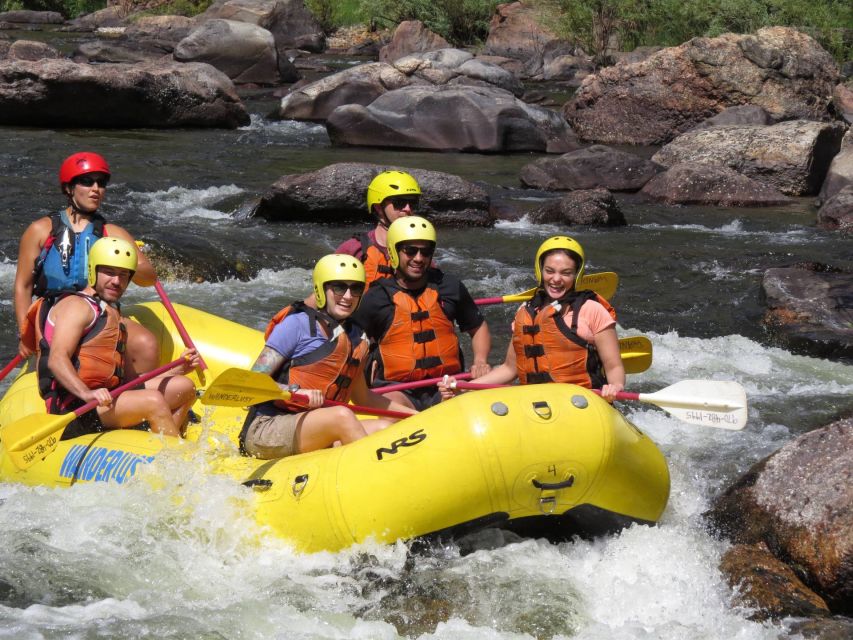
(52, 255)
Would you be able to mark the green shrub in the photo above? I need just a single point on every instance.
(460, 22)
(602, 25)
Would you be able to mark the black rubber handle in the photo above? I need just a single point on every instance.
(547, 486)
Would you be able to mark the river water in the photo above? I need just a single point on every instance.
(137, 562)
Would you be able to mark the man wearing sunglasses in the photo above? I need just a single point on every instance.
(390, 195)
(320, 353)
(410, 317)
(53, 252)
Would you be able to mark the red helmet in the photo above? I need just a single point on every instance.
(81, 163)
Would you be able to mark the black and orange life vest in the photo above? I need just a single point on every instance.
(547, 349)
(332, 367)
(420, 342)
(99, 358)
(377, 264)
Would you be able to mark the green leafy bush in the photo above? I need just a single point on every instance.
(460, 22)
(601, 26)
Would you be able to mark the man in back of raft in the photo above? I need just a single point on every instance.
(81, 342)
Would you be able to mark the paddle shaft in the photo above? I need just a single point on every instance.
(14, 363)
(188, 342)
(417, 384)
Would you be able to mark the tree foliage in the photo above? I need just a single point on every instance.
(460, 22)
(602, 26)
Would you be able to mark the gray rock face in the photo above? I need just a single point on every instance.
(705, 184)
(595, 166)
(792, 156)
(31, 17)
(837, 212)
(743, 114)
(596, 207)
(362, 84)
(411, 36)
(30, 50)
(118, 96)
(650, 102)
(797, 502)
(243, 51)
(336, 193)
(293, 26)
(477, 119)
(840, 173)
(811, 311)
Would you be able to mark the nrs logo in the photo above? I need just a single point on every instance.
(409, 441)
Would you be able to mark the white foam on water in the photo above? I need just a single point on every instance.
(180, 202)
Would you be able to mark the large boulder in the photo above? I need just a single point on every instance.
(595, 207)
(106, 18)
(362, 84)
(792, 156)
(117, 95)
(31, 50)
(797, 502)
(842, 98)
(244, 52)
(146, 38)
(808, 309)
(517, 31)
(411, 36)
(161, 29)
(24, 16)
(710, 185)
(836, 213)
(595, 166)
(451, 118)
(336, 194)
(650, 102)
(293, 26)
(743, 114)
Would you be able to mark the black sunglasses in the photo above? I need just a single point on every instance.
(411, 251)
(400, 202)
(88, 181)
(340, 288)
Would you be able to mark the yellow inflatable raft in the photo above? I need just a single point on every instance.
(550, 460)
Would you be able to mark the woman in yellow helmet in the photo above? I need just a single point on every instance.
(319, 353)
(562, 335)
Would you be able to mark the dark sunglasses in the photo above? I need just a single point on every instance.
(88, 181)
(400, 202)
(411, 251)
(340, 288)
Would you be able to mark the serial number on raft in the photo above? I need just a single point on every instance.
(713, 418)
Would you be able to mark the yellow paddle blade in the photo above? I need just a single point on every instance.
(34, 436)
(237, 387)
(604, 283)
(636, 353)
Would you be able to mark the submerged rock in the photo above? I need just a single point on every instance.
(589, 168)
(811, 311)
(595, 207)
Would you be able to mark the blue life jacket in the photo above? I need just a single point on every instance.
(63, 261)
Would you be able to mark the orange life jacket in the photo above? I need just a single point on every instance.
(549, 350)
(99, 358)
(421, 342)
(330, 368)
(377, 264)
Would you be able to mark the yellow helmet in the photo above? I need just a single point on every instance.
(111, 252)
(336, 266)
(390, 183)
(560, 242)
(408, 228)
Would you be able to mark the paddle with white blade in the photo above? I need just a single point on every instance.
(708, 403)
